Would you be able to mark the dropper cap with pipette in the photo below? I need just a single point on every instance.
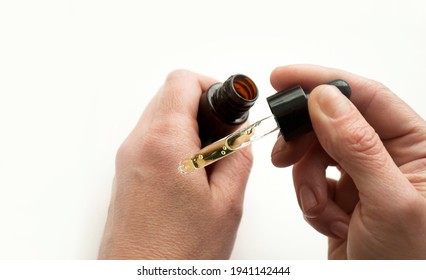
(290, 114)
(290, 109)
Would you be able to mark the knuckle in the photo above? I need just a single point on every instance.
(364, 140)
(229, 208)
(360, 145)
(178, 74)
(176, 91)
(138, 149)
(232, 206)
(235, 211)
(376, 88)
(158, 136)
(166, 128)
(124, 153)
(247, 159)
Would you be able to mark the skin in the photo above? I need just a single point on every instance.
(377, 209)
(158, 213)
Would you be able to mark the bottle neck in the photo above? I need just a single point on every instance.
(233, 99)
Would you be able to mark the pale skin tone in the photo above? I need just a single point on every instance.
(377, 210)
(158, 213)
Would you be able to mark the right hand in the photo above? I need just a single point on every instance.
(377, 209)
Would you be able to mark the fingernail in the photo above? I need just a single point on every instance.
(339, 229)
(307, 199)
(333, 103)
(279, 146)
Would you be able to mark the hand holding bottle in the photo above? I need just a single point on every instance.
(377, 209)
(157, 213)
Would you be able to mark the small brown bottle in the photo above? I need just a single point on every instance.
(224, 106)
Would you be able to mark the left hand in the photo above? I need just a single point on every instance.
(158, 213)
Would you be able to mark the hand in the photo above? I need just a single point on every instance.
(377, 209)
(158, 213)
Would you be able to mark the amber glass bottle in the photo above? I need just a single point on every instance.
(224, 106)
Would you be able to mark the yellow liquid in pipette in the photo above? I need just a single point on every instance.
(228, 145)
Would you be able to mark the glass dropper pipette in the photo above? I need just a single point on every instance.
(289, 114)
(228, 145)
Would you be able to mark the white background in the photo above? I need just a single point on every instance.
(76, 75)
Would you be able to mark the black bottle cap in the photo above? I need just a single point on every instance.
(290, 109)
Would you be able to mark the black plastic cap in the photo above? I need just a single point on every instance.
(290, 109)
(343, 86)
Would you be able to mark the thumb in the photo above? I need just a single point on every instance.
(347, 137)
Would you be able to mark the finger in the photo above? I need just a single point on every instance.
(346, 194)
(229, 176)
(310, 181)
(332, 222)
(176, 101)
(287, 153)
(181, 93)
(316, 194)
(171, 114)
(375, 102)
(174, 109)
(347, 137)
